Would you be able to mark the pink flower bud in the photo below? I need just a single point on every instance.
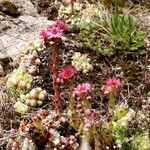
(88, 125)
(79, 105)
(88, 112)
(58, 80)
(89, 98)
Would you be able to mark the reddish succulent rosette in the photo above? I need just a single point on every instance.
(67, 72)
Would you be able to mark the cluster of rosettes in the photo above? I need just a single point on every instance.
(65, 12)
(20, 81)
(54, 31)
(81, 62)
(92, 117)
(141, 141)
(30, 59)
(34, 98)
(21, 108)
(31, 62)
(122, 118)
(21, 142)
(37, 45)
(142, 118)
(48, 126)
(60, 142)
(53, 124)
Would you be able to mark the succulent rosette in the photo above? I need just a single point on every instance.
(34, 98)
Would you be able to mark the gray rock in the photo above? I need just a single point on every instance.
(15, 33)
(25, 7)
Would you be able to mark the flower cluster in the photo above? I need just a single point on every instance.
(111, 85)
(81, 62)
(83, 89)
(54, 31)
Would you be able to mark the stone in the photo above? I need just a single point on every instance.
(16, 33)
(23, 7)
(9, 8)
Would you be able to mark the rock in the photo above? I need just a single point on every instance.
(15, 33)
(23, 7)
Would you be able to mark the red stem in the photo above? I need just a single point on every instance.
(55, 69)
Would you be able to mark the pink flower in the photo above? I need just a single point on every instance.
(62, 25)
(83, 89)
(113, 83)
(43, 34)
(54, 31)
(67, 72)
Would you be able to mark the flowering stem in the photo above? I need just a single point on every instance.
(87, 103)
(56, 85)
(96, 138)
(112, 100)
(74, 116)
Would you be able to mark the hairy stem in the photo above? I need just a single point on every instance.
(74, 116)
(56, 85)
